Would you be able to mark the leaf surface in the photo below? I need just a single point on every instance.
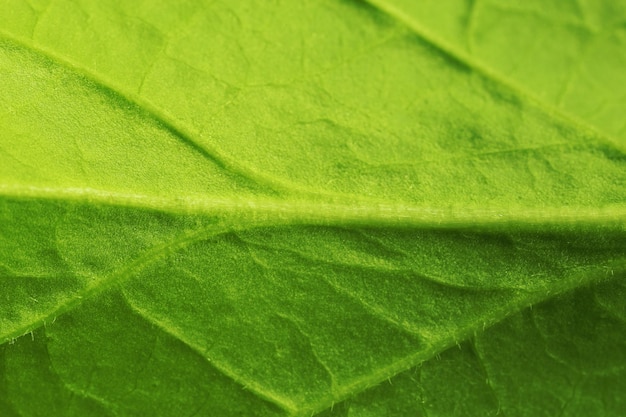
(231, 209)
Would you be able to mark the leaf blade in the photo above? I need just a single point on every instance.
(504, 174)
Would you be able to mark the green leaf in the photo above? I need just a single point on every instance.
(236, 209)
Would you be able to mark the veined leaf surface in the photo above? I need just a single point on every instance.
(294, 208)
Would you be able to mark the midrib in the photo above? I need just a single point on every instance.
(258, 214)
(257, 211)
(253, 211)
(327, 208)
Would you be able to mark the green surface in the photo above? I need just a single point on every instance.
(344, 208)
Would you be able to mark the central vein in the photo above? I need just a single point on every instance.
(252, 211)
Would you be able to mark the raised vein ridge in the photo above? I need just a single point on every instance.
(253, 211)
(383, 373)
(117, 277)
(252, 386)
(476, 65)
(168, 122)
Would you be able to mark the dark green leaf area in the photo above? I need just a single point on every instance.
(65, 252)
(123, 366)
(424, 391)
(344, 308)
(297, 316)
(573, 360)
(562, 357)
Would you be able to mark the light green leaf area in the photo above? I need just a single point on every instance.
(318, 207)
(570, 54)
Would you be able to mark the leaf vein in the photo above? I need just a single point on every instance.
(189, 138)
(490, 74)
(249, 385)
(114, 279)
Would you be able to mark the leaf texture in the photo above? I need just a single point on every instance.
(324, 207)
